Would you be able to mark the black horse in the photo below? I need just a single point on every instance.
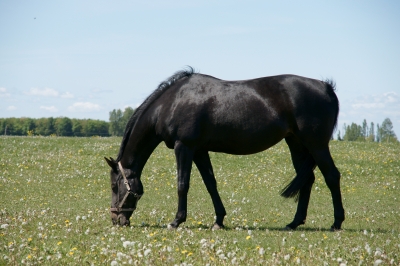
(194, 114)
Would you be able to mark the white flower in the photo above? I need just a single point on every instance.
(261, 251)
(78, 218)
(378, 262)
(147, 252)
(126, 244)
(287, 257)
(4, 226)
(367, 248)
(114, 263)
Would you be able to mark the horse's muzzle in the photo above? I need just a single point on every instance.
(120, 218)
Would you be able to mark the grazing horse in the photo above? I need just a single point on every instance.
(194, 114)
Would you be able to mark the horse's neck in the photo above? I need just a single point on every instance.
(138, 149)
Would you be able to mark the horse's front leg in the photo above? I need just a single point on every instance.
(184, 158)
(203, 163)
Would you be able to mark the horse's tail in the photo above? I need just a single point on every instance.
(331, 87)
(292, 190)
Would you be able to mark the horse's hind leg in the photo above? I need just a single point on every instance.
(304, 165)
(332, 178)
(203, 163)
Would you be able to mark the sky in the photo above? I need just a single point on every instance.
(82, 59)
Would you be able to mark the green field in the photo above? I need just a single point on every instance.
(55, 195)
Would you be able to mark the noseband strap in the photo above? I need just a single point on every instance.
(128, 192)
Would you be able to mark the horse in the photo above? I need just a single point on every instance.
(194, 114)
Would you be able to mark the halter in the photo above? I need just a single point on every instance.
(128, 192)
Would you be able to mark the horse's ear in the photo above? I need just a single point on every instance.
(112, 163)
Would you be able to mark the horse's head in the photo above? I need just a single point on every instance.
(126, 190)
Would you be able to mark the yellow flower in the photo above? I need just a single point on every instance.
(59, 243)
(29, 239)
(248, 237)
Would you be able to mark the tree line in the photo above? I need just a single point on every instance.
(64, 126)
(365, 132)
(60, 126)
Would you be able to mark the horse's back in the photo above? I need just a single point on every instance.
(240, 116)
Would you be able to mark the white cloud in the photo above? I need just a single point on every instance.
(368, 105)
(386, 100)
(84, 107)
(51, 109)
(67, 95)
(11, 108)
(4, 93)
(48, 92)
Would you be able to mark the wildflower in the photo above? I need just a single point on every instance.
(114, 263)
(286, 257)
(248, 237)
(378, 262)
(261, 251)
(147, 252)
(59, 243)
(4, 226)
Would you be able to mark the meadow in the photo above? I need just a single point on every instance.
(55, 199)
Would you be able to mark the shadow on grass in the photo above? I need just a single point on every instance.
(264, 228)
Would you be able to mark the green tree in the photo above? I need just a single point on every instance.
(353, 133)
(371, 134)
(386, 131)
(115, 128)
(77, 127)
(63, 126)
(365, 129)
(128, 112)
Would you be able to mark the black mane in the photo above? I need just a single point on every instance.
(156, 93)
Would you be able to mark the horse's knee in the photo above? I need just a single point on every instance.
(183, 189)
(333, 179)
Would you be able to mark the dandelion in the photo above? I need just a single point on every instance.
(248, 237)
(59, 243)
(4, 226)
(261, 251)
(147, 252)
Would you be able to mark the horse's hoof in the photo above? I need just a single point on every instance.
(287, 228)
(217, 227)
(334, 229)
(171, 227)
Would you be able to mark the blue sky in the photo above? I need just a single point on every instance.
(81, 59)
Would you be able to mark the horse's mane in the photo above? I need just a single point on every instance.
(152, 97)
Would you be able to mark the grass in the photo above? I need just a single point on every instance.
(55, 195)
